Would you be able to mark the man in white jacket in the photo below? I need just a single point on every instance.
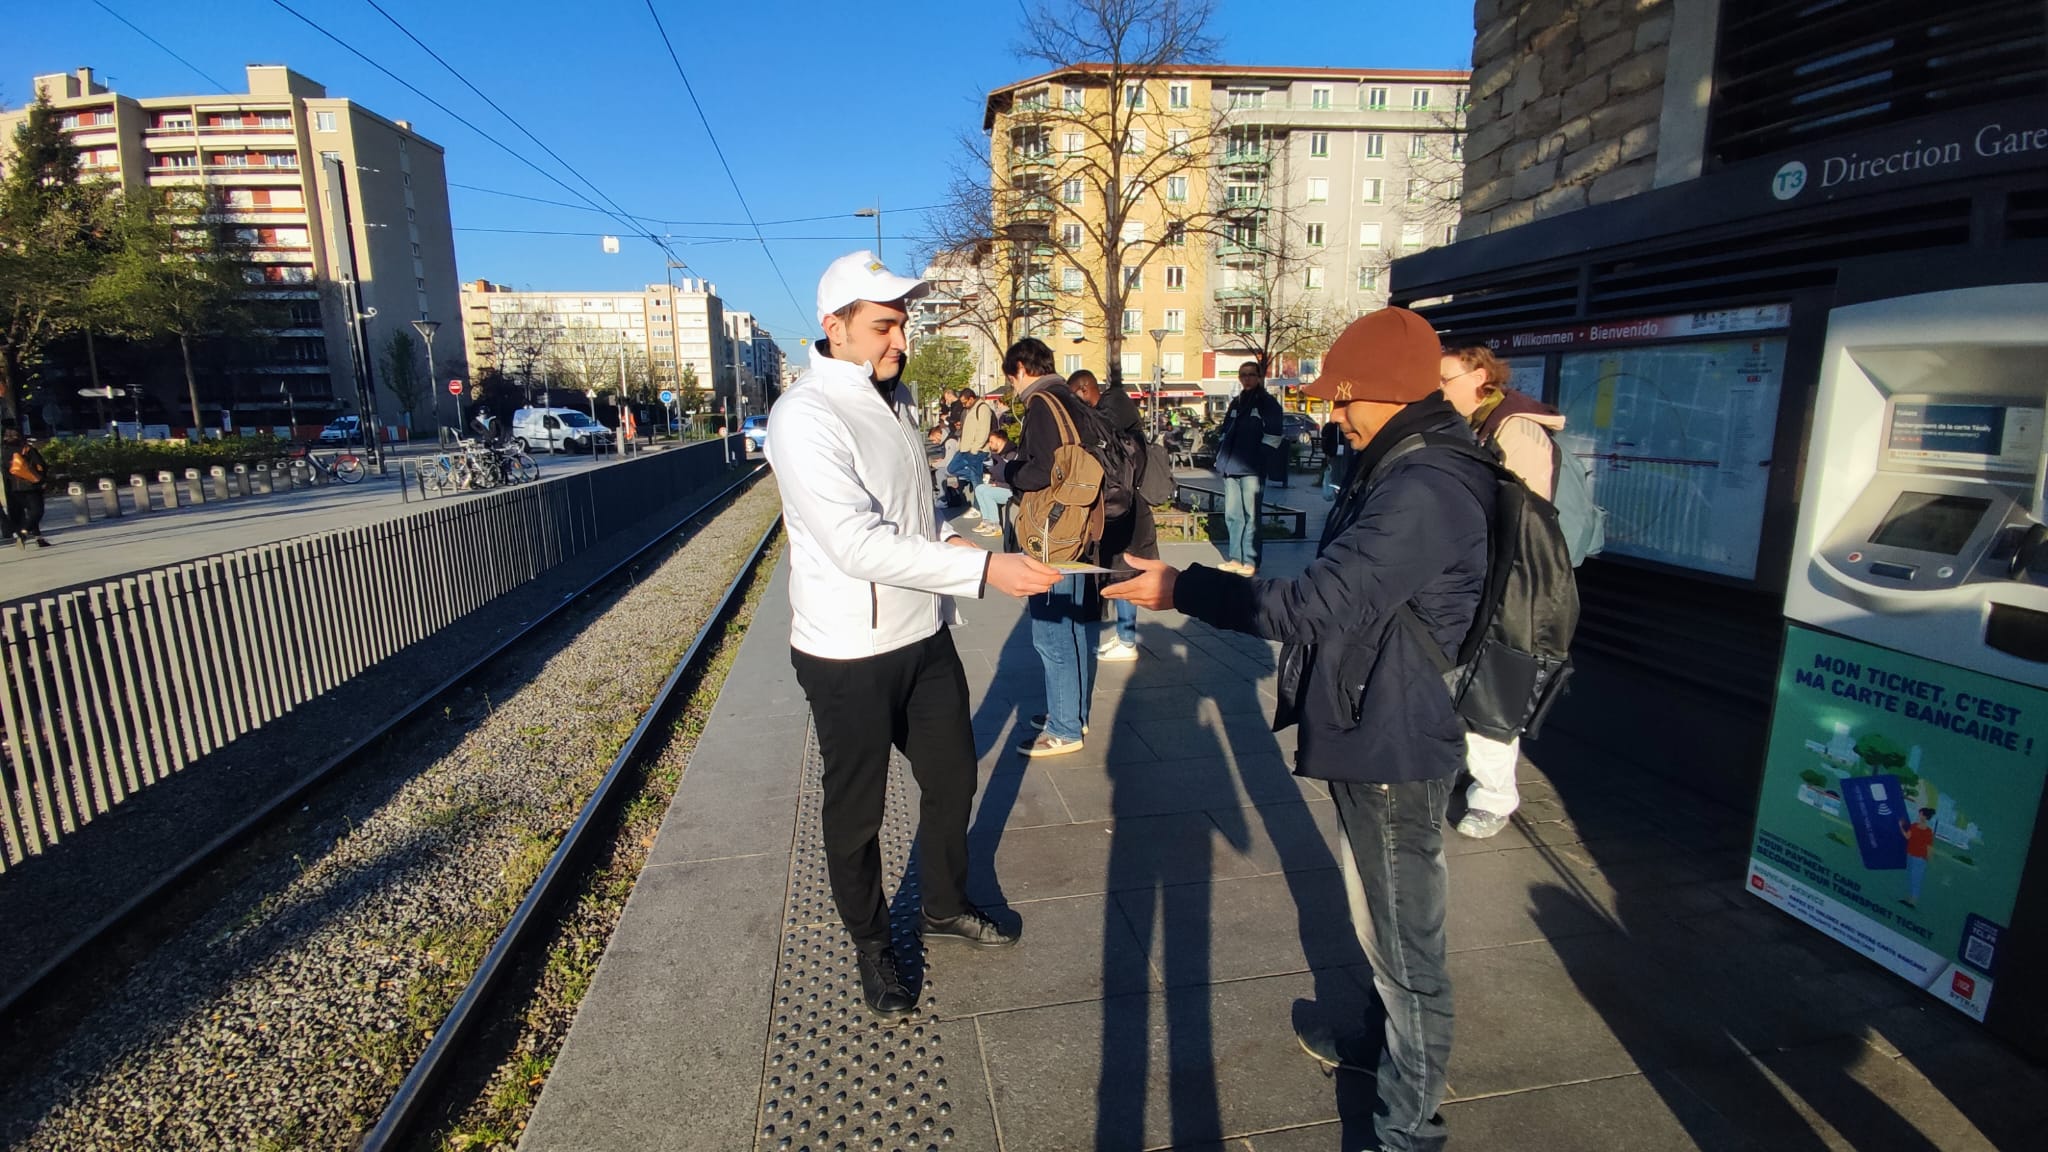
(873, 574)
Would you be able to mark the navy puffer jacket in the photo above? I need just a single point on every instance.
(1371, 705)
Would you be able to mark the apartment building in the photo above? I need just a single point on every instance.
(757, 358)
(586, 340)
(1256, 202)
(958, 307)
(344, 210)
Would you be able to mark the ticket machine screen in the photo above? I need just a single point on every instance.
(1970, 437)
(1930, 522)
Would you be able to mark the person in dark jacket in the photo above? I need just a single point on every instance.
(1250, 434)
(26, 476)
(1376, 721)
(1116, 405)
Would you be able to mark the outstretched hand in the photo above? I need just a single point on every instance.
(1151, 588)
(1015, 574)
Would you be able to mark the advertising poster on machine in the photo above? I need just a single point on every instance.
(1898, 801)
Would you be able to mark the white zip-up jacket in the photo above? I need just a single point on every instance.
(869, 571)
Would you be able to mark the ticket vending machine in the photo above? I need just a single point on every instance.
(1903, 779)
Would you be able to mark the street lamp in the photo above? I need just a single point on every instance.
(1158, 375)
(426, 329)
(876, 212)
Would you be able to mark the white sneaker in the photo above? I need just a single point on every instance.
(970, 514)
(1117, 653)
(1108, 645)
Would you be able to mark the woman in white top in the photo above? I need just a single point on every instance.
(1519, 428)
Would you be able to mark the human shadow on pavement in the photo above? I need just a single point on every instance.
(1211, 763)
(1749, 1037)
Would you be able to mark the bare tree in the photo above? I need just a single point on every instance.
(1429, 186)
(522, 344)
(1270, 309)
(1100, 169)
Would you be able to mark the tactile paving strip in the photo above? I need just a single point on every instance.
(838, 1078)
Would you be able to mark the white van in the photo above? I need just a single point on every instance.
(558, 429)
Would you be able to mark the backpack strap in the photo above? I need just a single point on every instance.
(1061, 417)
(1406, 612)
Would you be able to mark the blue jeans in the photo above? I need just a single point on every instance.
(967, 467)
(989, 500)
(1066, 647)
(1394, 875)
(1241, 518)
(1127, 621)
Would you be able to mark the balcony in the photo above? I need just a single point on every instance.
(211, 131)
(1238, 293)
(1026, 160)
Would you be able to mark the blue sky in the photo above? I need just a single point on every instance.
(821, 107)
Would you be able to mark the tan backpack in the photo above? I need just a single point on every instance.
(1062, 521)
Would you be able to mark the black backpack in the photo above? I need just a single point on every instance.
(1513, 663)
(1120, 453)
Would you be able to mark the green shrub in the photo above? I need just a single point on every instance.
(88, 460)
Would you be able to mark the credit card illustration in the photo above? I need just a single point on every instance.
(1875, 806)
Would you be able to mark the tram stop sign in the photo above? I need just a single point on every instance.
(455, 387)
(667, 397)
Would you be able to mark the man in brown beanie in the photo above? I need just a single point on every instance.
(1409, 528)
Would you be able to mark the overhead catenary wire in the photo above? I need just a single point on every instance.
(722, 162)
(685, 223)
(665, 236)
(629, 225)
(160, 44)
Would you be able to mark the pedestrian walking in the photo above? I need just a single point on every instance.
(1249, 437)
(873, 577)
(1518, 427)
(27, 482)
(1375, 720)
(977, 420)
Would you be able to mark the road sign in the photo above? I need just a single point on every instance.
(667, 397)
(455, 387)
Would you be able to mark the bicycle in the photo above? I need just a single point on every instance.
(344, 466)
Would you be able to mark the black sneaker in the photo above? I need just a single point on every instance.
(881, 983)
(973, 926)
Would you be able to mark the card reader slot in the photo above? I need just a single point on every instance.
(2016, 631)
(1892, 571)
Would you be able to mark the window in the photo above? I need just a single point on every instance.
(1134, 142)
(1238, 318)
(1134, 366)
(1071, 99)
(174, 121)
(1419, 99)
(177, 160)
(1072, 365)
(1176, 234)
(1375, 145)
(1457, 147)
(1411, 236)
(1074, 143)
(1173, 365)
(1319, 143)
(1312, 277)
(334, 156)
(1376, 99)
(1319, 97)
(1416, 188)
(1176, 187)
(1134, 319)
(1070, 279)
(1176, 279)
(1318, 188)
(1134, 278)
(1179, 94)
(323, 122)
(1371, 190)
(1461, 98)
(415, 251)
(1177, 139)
(1418, 147)
(1369, 234)
(1176, 320)
(1132, 232)
(1033, 101)
(1451, 234)
(1071, 328)
(1134, 94)
(1071, 191)
(1315, 235)
(1070, 235)
(1247, 97)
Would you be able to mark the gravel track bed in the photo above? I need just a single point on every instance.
(283, 1016)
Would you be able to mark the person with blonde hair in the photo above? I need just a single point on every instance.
(1519, 428)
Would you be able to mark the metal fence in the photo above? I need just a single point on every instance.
(109, 688)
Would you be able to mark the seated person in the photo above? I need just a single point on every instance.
(941, 438)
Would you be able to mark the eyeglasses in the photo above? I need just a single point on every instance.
(1459, 376)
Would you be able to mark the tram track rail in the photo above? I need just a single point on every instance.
(409, 1103)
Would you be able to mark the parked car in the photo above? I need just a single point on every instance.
(558, 430)
(1300, 428)
(755, 429)
(343, 430)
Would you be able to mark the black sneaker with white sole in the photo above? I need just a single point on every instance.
(881, 983)
(973, 927)
(1352, 1053)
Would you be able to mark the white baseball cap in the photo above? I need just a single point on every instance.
(862, 276)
